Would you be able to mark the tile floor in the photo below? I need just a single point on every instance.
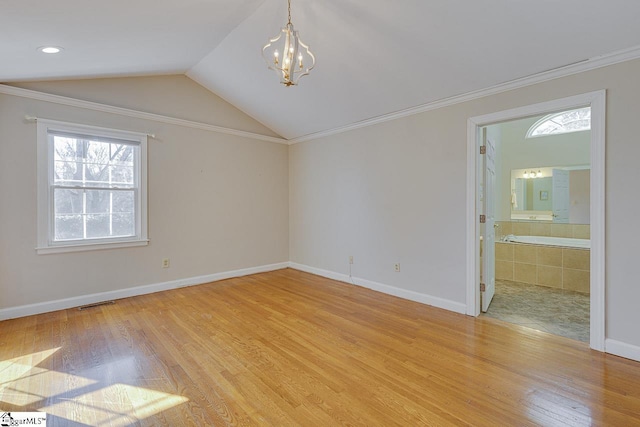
(557, 311)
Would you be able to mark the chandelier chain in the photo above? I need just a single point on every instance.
(289, 1)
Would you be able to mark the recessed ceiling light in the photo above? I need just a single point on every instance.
(50, 49)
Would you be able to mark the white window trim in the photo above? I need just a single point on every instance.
(45, 241)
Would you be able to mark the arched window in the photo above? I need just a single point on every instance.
(564, 122)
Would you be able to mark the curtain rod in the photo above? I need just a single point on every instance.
(35, 119)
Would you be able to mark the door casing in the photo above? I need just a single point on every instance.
(597, 101)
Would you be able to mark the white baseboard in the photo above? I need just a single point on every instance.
(386, 289)
(61, 304)
(614, 347)
(622, 349)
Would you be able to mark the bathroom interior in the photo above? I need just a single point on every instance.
(542, 226)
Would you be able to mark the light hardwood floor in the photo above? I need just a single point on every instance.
(289, 348)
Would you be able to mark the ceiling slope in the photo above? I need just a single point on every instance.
(374, 57)
(112, 38)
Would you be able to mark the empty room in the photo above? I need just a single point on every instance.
(411, 213)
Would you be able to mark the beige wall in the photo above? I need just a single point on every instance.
(217, 202)
(393, 192)
(396, 192)
(173, 96)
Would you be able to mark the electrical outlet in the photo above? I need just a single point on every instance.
(350, 259)
(396, 267)
(165, 263)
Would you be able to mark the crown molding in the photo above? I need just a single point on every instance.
(567, 70)
(105, 108)
(563, 71)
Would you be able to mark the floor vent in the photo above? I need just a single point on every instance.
(83, 307)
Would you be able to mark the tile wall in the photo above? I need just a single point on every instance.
(556, 267)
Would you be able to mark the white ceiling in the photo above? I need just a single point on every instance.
(374, 57)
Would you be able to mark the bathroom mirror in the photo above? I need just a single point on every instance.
(555, 194)
(532, 194)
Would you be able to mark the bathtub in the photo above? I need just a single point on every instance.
(555, 262)
(564, 242)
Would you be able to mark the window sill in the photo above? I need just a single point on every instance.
(81, 247)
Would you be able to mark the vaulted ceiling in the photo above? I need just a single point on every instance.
(374, 57)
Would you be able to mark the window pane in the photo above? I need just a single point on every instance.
(565, 122)
(97, 174)
(122, 176)
(68, 227)
(98, 201)
(578, 125)
(123, 202)
(68, 172)
(67, 201)
(122, 154)
(124, 224)
(97, 226)
(67, 148)
(98, 152)
(105, 225)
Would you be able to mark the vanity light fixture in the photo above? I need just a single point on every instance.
(287, 55)
(532, 174)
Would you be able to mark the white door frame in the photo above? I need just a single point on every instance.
(597, 102)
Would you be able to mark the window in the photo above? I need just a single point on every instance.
(91, 187)
(564, 122)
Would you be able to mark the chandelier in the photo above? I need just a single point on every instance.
(287, 55)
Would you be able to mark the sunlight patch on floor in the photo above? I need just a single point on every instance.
(77, 398)
(39, 384)
(12, 369)
(114, 405)
(22, 382)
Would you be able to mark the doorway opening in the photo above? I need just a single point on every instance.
(510, 196)
(537, 201)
